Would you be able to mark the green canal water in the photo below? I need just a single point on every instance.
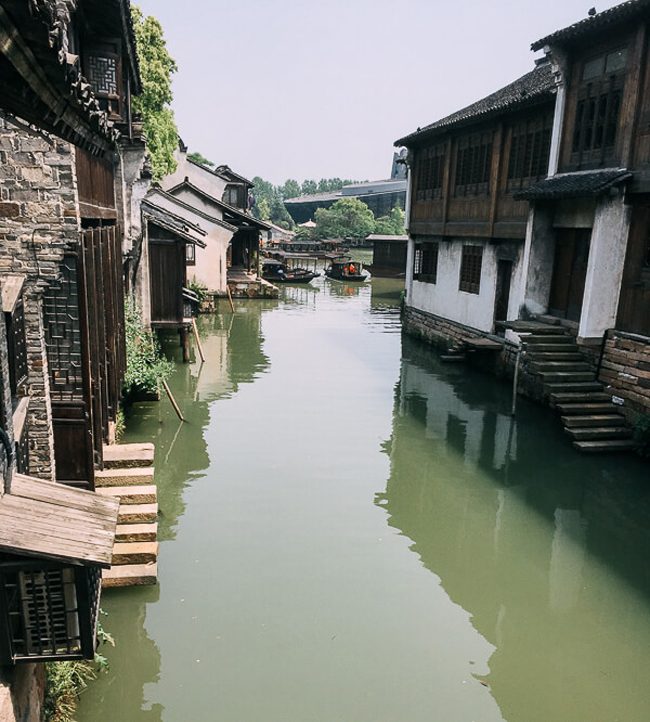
(352, 531)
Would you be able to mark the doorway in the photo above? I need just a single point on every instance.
(569, 272)
(502, 293)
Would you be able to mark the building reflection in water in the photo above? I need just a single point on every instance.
(545, 548)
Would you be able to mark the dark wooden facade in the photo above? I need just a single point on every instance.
(84, 333)
(464, 180)
(167, 277)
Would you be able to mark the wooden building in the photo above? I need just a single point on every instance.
(533, 205)
(388, 255)
(467, 230)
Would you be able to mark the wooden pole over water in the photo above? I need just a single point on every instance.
(198, 340)
(515, 382)
(232, 305)
(171, 398)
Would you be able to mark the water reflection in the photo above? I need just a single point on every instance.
(546, 549)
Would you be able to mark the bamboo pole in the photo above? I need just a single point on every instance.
(198, 340)
(171, 398)
(232, 305)
(515, 382)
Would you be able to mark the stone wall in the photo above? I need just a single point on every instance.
(39, 215)
(21, 693)
(625, 368)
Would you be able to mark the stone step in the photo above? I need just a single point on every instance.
(588, 397)
(146, 494)
(585, 409)
(604, 446)
(538, 348)
(593, 420)
(557, 377)
(565, 356)
(124, 477)
(134, 553)
(574, 387)
(548, 338)
(130, 575)
(123, 456)
(137, 532)
(600, 432)
(137, 513)
(550, 366)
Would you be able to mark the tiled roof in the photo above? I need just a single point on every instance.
(594, 23)
(532, 88)
(583, 184)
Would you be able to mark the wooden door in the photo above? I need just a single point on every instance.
(167, 277)
(634, 303)
(569, 272)
(502, 295)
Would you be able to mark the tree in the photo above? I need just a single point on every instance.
(263, 210)
(392, 225)
(291, 189)
(198, 158)
(309, 187)
(153, 104)
(347, 218)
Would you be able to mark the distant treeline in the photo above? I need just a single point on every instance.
(269, 198)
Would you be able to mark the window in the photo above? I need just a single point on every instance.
(599, 107)
(190, 254)
(473, 164)
(425, 262)
(233, 196)
(103, 68)
(529, 153)
(470, 269)
(17, 345)
(429, 172)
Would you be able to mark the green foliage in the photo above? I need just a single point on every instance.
(156, 69)
(641, 436)
(198, 158)
(199, 288)
(264, 210)
(291, 189)
(145, 367)
(308, 188)
(120, 424)
(392, 225)
(347, 218)
(65, 681)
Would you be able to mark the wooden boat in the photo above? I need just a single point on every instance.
(278, 272)
(341, 269)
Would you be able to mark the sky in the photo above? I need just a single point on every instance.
(298, 89)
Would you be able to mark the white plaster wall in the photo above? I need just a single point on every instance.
(444, 299)
(210, 267)
(605, 267)
(538, 260)
(200, 177)
(187, 195)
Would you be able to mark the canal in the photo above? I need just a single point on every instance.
(352, 531)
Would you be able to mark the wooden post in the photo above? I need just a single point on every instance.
(232, 305)
(185, 343)
(198, 340)
(515, 381)
(171, 398)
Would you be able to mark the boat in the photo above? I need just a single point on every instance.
(278, 272)
(343, 269)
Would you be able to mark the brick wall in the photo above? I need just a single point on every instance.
(39, 215)
(625, 367)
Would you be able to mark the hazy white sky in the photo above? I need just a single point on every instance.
(299, 89)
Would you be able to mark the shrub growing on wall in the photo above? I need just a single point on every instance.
(145, 367)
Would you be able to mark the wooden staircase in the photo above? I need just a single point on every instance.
(129, 476)
(586, 411)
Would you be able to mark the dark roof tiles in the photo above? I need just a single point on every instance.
(529, 89)
(595, 23)
(583, 184)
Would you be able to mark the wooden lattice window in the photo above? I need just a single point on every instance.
(473, 164)
(103, 69)
(17, 345)
(429, 172)
(529, 153)
(470, 269)
(234, 196)
(425, 266)
(598, 110)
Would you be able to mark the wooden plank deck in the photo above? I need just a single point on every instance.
(44, 519)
